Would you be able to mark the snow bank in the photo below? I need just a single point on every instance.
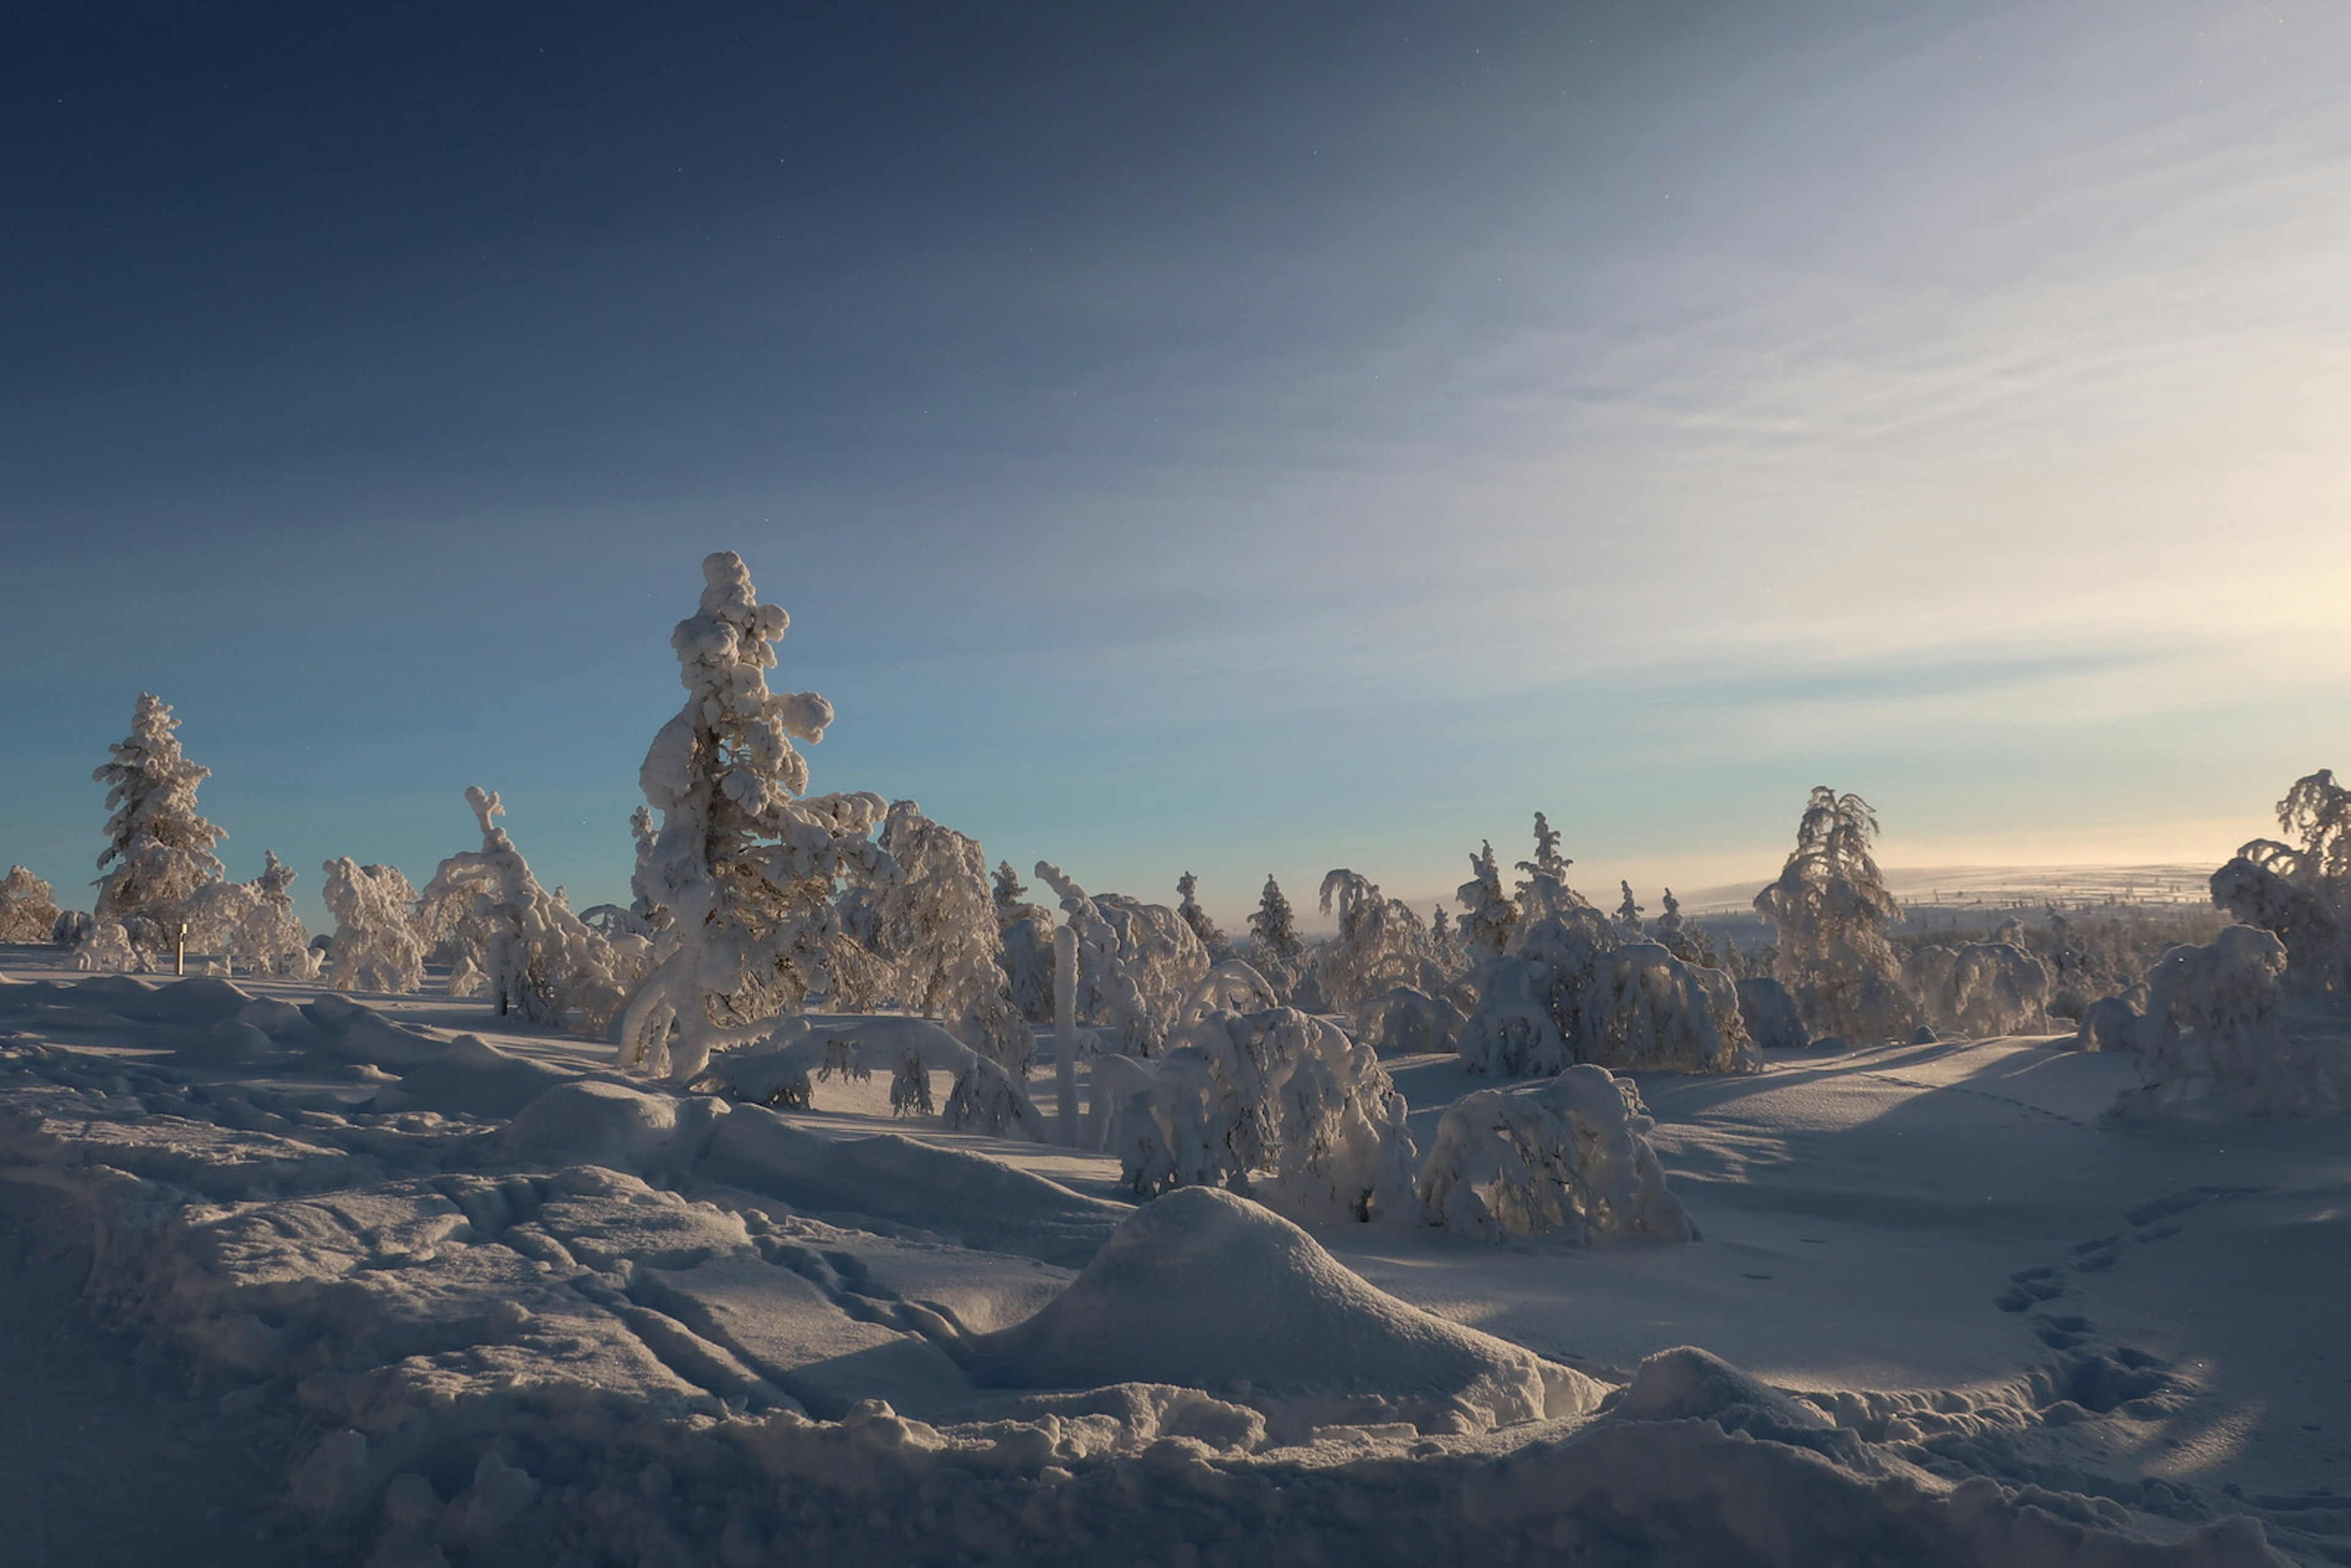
(1208, 1289)
(1569, 1156)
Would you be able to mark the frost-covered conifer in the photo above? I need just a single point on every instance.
(1136, 963)
(541, 958)
(1275, 1102)
(1830, 909)
(937, 929)
(1548, 861)
(377, 946)
(28, 907)
(1490, 916)
(745, 860)
(1628, 912)
(1381, 943)
(1273, 928)
(1187, 887)
(160, 850)
(1026, 932)
(649, 917)
(253, 925)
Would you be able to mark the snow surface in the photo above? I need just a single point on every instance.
(485, 1301)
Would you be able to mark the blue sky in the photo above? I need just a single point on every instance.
(1229, 437)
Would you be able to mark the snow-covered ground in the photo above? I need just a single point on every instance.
(494, 1303)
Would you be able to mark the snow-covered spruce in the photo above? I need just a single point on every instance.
(28, 907)
(158, 850)
(937, 928)
(1572, 990)
(1187, 889)
(1830, 909)
(1569, 1156)
(745, 863)
(1136, 963)
(541, 958)
(377, 946)
(1380, 943)
(783, 1070)
(1278, 1104)
(1488, 916)
(1026, 933)
(1771, 1015)
(1274, 948)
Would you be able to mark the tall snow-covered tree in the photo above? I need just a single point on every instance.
(936, 927)
(1187, 887)
(1026, 931)
(1628, 913)
(541, 959)
(745, 860)
(377, 944)
(1548, 861)
(1490, 916)
(1830, 910)
(28, 907)
(1274, 927)
(159, 847)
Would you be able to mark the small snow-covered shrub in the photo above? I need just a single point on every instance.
(1231, 986)
(2211, 1041)
(1771, 1015)
(937, 928)
(783, 1070)
(1277, 1105)
(2110, 1023)
(71, 927)
(1136, 963)
(376, 945)
(251, 925)
(28, 907)
(1513, 1031)
(106, 945)
(1573, 990)
(1649, 1010)
(1408, 1019)
(1569, 1157)
(1979, 988)
(1381, 943)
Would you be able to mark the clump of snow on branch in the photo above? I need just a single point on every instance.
(1136, 963)
(784, 1069)
(937, 929)
(159, 850)
(1568, 1158)
(28, 907)
(745, 862)
(541, 958)
(1381, 943)
(376, 945)
(1830, 909)
(1279, 1104)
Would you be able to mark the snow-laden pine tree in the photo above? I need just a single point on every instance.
(541, 959)
(158, 849)
(1568, 1156)
(1628, 912)
(1187, 887)
(1380, 943)
(377, 944)
(1136, 963)
(1026, 931)
(1490, 916)
(1274, 950)
(937, 928)
(745, 862)
(251, 925)
(1830, 910)
(28, 907)
(1548, 862)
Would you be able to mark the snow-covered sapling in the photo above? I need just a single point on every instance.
(1489, 917)
(1830, 910)
(1568, 1158)
(1381, 943)
(1136, 962)
(158, 850)
(28, 907)
(1187, 888)
(936, 927)
(377, 946)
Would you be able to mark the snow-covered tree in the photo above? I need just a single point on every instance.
(1136, 963)
(745, 862)
(253, 925)
(28, 907)
(936, 927)
(1679, 937)
(1567, 1158)
(377, 946)
(158, 849)
(1381, 943)
(1548, 861)
(2300, 892)
(2211, 1041)
(1628, 912)
(1490, 916)
(1277, 1103)
(105, 946)
(783, 1070)
(1026, 933)
(1830, 910)
(1274, 947)
(1979, 989)
(1408, 1019)
(1187, 888)
(541, 958)
(1769, 1010)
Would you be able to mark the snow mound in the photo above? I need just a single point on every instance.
(1206, 1290)
(592, 1122)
